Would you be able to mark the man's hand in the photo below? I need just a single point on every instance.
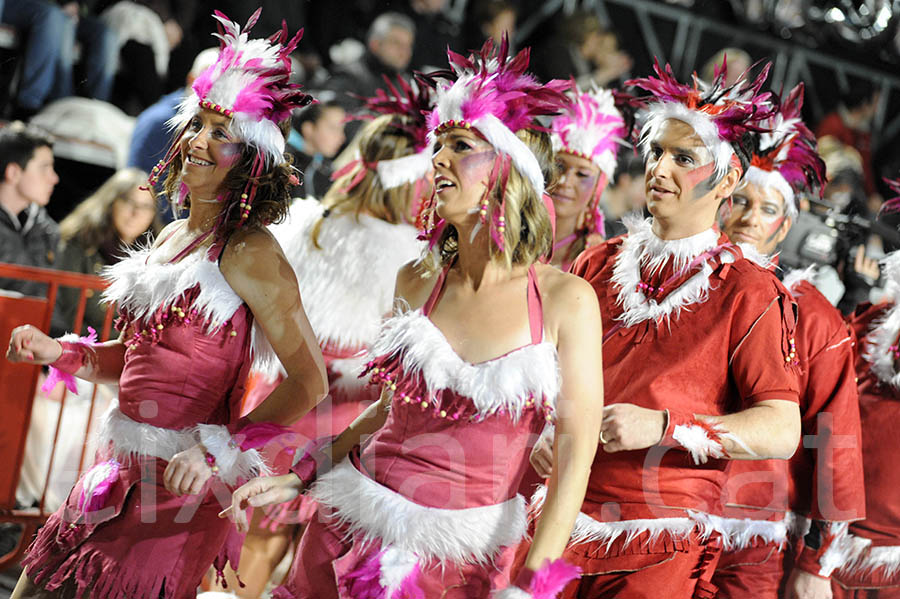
(627, 427)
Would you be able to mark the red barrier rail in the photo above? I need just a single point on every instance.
(18, 384)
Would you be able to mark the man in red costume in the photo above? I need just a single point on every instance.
(868, 555)
(820, 489)
(699, 358)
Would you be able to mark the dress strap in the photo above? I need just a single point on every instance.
(190, 247)
(435, 292)
(535, 308)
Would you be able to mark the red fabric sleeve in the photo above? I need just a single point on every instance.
(763, 360)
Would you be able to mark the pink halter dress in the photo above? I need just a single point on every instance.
(120, 533)
(431, 505)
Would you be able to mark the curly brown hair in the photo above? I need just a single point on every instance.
(273, 192)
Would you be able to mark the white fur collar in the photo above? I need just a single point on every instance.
(503, 383)
(797, 275)
(882, 334)
(376, 513)
(141, 289)
(641, 247)
(755, 256)
(347, 287)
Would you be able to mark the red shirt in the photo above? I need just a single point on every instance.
(879, 410)
(718, 356)
(824, 478)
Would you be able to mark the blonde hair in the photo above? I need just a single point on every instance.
(91, 221)
(528, 234)
(384, 138)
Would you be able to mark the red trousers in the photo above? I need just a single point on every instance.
(752, 572)
(644, 569)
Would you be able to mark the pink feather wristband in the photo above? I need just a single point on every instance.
(545, 583)
(74, 352)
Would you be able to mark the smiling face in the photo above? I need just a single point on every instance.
(756, 215)
(208, 151)
(462, 168)
(576, 185)
(679, 177)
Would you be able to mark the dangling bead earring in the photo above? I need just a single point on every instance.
(245, 207)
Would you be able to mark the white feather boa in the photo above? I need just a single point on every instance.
(882, 334)
(131, 439)
(642, 248)
(503, 383)
(347, 287)
(141, 289)
(377, 514)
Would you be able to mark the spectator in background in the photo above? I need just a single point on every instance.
(317, 133)
(738, 62)
(851, 124)
(98, 233)
(99, 51)
(435, 33)
(28, 236)
(43, 23)
(489, 19)
(582, 49)
(147, 31)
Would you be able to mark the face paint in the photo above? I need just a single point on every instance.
(231, 153)
(475, 168)
(700, 180)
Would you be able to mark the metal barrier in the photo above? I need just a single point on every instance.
(18, 385)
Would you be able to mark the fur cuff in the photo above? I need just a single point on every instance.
(74, 352)
(701, 439)
(545, 583)
(233, 463)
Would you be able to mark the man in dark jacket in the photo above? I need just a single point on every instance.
(28, 236)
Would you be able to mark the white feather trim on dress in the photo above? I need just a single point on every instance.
(376, 513)
(641, 247)
(347, 287)
(882, 335)
(132, 439)
(504, 383)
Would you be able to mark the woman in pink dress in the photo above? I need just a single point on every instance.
(346, 251)
(487, 346)
(212, 291)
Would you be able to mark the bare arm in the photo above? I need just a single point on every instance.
(257, 270)
(578, 415)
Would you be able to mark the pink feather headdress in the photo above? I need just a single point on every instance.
(413, 103)
(492, 93)
(787, 160)
(249, 83)
(892, 204)
(719, 115)
(591, 127)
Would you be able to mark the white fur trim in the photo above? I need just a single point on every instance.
(504, 383)
(890, 268)
(512, 593)
(869, 559)
(774, 180)
(740, 533)
(659, 112)
(797, 275)
(395, 565)
(882, 334)
(376, 513)
(754, 255)
(349, 371)
(347, 287)
(142, 289)
(233, 463)
(641, 247)
(697, 442)
(132, 439)
(408, 169)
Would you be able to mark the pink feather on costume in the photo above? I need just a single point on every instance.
(96, 485)
(551, 578)
(412, 105)
(55, 375)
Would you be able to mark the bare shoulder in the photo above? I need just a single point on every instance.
(252, 258)
(167, 231)
(414, 283)
(566, 299)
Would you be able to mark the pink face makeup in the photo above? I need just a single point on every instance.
(231, 153)
(475, 168)
(699, 175)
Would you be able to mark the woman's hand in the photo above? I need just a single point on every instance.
(259, 492)
(28, 344)
(542, 455)
(187, 472)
